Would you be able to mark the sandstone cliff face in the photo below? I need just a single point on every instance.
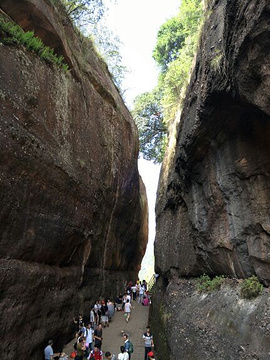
(214, 189)
(213, 326)
(73, 219)
(214, 192)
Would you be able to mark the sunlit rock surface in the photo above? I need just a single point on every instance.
(214, 192)
(73, 219)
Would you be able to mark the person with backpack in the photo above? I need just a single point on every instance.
(123, 355)
(95, 354)
(80, 349)
(128, 345)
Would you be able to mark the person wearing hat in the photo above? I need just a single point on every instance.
(151, 355)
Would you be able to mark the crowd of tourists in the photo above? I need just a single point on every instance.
(88, 339)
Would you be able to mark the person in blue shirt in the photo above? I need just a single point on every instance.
(127, 345)
(48, 351)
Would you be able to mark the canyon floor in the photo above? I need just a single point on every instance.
(113, 335)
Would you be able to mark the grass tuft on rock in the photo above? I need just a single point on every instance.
(205, 284)
(13, 34)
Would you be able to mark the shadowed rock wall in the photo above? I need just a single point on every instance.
(215, 325)
(214, 186)
(73, 218)
(214, 191)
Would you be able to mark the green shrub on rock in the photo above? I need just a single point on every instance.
(205, 284)
(251, 288)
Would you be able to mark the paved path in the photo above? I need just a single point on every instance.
(113, 335)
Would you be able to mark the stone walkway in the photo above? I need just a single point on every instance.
(113, 335)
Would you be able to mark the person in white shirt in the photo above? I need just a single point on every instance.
(124, 300)
(129, 297)
(141, 293)
(123, 355)
(89, 338)
(134, 290)
(127, 310)
(92, 317)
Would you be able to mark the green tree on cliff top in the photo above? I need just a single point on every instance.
(88, 15)
(148, 116)
(174, 52)
(83, 12)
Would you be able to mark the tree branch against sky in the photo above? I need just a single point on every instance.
(83, 12)
(148, 116)
(90, 17)
(174, 51)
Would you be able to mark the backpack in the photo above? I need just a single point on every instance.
(75, 346)
(130, 349)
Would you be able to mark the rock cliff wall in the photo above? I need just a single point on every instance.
(214, 185)
(73, 218)
(214, 190)
(219, 325)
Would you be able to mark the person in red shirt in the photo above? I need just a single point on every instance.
(96, 354)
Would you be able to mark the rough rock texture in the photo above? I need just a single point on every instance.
(214, 192)
(214, 189)
(212, 326)
(73, 218)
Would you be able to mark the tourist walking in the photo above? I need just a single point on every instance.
(80, 349)
(134, 290)
(123, 355)
(78, 321)
(48, 351)
(144, 285)
(96, 354)
(98, 336)
(148, 342)
(110, 305)
(127, 310)
(128, 345)
(92, 317)
(104, 314)
(141, 293)
(109, 356)
(97, 312)
(151, 356)
(89, 339)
